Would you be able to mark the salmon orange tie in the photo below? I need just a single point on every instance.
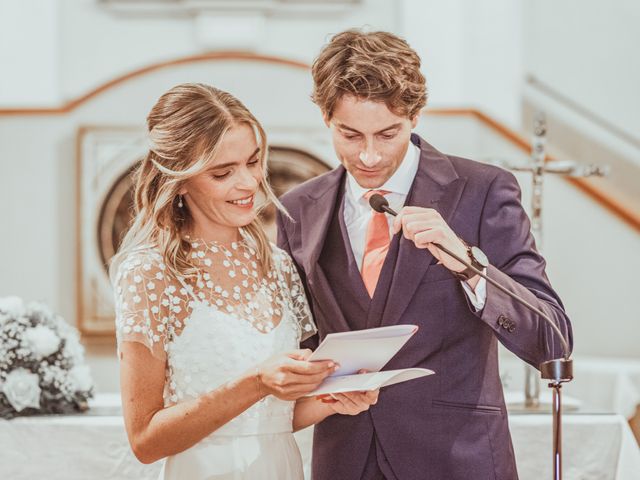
(376, 246)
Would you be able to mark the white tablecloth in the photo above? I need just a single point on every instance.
(594, 447)
(95, 447)
(605, 385)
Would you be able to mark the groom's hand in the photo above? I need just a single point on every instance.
(424, 227)
(352, 403)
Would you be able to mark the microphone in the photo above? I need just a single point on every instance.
(553, 369)
(381, 205)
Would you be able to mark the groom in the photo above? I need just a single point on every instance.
(363, 269)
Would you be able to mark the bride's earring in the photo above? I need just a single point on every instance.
(180, 204)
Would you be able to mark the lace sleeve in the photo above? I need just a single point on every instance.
(145, 303)
(296, 295)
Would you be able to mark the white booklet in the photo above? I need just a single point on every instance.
(369, 350)
(368, 381)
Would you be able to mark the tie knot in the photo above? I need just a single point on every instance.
(371, 193)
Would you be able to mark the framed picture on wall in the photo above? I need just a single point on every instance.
(106, 158)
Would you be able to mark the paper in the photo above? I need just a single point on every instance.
(369, 350)
(369, 381)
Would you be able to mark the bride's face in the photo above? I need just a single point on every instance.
(221, 198)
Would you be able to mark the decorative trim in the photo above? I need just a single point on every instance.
(206, 57)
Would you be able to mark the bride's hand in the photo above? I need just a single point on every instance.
(289, 376)
(352, 403)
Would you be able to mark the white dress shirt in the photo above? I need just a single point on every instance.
(357, 213)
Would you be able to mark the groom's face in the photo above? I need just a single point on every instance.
(369, 139)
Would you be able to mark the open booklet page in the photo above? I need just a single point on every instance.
(369, 381)
(369, 350)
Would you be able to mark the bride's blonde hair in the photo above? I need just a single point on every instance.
(186, 126)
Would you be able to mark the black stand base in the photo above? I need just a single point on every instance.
(559, 370)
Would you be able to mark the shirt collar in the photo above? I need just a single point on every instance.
(400, 182)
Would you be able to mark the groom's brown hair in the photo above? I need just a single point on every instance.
(376, 66)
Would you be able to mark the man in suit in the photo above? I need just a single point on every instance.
(363, 269)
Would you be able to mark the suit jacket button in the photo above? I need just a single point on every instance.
(512, 327)
(501, 320)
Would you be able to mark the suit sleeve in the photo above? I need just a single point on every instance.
(505, 236)
(283, 243)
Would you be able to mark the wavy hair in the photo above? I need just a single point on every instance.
(377, 66)
(186, 126)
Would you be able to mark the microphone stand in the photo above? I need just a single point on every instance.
(557, 371)
(539, 165)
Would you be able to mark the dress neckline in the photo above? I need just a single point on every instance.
(236, 318)
(243, 241)
(201, 241)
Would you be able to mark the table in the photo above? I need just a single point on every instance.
(608, 385)
(596, 446)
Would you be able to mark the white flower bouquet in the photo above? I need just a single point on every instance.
(42, 368)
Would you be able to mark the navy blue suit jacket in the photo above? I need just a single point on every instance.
(451, 425)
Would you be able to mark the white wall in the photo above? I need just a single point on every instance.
(586, 51)
(471, 53)
(436, 31)
(29, 53)
(81, 45)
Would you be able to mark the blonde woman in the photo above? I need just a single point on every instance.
(209, 314)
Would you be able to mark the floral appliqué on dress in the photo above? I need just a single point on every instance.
(212, 327)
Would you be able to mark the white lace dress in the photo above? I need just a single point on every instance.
(212, 329)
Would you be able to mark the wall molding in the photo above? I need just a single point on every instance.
(206, 57)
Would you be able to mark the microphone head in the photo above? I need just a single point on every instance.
(378, 202)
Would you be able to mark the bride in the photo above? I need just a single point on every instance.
(209, 314)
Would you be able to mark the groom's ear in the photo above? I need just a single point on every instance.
(326, 119)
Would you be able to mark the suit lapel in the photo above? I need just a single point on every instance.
(315, 218)
(436, 186)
